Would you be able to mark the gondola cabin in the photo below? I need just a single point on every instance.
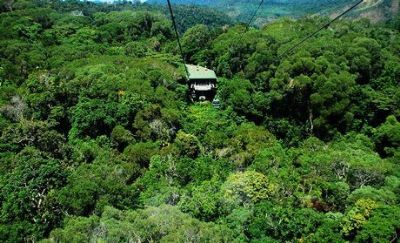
(202, 83)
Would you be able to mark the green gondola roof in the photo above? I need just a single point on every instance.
(198, 72)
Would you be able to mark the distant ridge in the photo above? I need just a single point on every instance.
(375, 10)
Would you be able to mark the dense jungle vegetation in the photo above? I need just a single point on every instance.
(242, 10)
(99, 142)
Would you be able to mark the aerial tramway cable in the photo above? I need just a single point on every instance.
(249, 22)
(288, 51)
(177, 35)
(255, 13)
(201, 81)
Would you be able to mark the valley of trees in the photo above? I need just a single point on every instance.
(99, 142)
(242, 10)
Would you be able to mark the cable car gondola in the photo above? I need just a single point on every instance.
(202, 83)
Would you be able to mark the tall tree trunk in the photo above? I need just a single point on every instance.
(8, 4)
(310, 119)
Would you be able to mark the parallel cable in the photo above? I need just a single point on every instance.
(250, 21)
(177, 36)
(319, 30)
(255, 13)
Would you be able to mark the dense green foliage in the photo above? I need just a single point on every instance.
(99, 142)
(243, 10)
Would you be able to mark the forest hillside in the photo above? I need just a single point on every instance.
(100, 143)
(242, 10)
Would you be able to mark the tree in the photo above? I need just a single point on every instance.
(357, 216)
(105, 181)
(164, 223)
(244, 188)
(95, 117)
(141, 153)
(280, 222)
(195, 41)
(121, 137)
(27, 195)
(202, 201)
(188, 145)
(383, 225)
(7, 4)
(387, 136)
(34, 133)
